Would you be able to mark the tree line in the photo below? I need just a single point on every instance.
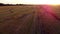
(2, 4)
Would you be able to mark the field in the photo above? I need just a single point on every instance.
(14, 18)
(30, 19)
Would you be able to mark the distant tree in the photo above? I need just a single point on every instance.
(19, 4)
(1, 4)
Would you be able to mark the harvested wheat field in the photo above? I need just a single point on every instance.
(36, 19)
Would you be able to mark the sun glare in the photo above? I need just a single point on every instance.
(54, 2)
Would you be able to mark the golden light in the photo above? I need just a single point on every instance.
(49, 2)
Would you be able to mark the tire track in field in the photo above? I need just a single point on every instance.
(35, 24)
